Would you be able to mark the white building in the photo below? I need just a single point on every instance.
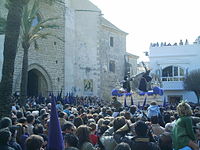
(172, 63)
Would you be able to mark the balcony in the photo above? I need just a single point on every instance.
(173, 83)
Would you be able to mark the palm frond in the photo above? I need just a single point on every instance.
(29, 14)
(34, 10)
(59, 38)
(42, 25)
(48, 20)
(31, 33)
(39, 36)
(25, 20)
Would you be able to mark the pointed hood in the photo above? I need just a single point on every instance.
(132, 103)
(55, 138)
(125, 104)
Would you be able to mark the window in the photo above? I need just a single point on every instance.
(173, 73)
(36, 20)
(112, 66)
(167, 72)
(181, 72)
(128, 68)
(111, 41)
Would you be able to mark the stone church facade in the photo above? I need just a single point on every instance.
(89, 61)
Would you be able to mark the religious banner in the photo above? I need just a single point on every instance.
(88, 85)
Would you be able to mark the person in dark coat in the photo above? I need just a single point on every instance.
(140, 141)
(13, 143)
(5, 136)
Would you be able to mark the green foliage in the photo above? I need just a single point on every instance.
(192, 81)
(32, 32)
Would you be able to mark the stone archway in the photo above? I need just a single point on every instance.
(39, 82)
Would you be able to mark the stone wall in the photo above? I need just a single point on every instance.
(50, 54)
(3, 14)
(81, 63)
(116, 53)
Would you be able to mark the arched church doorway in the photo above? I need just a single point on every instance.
(37, 84)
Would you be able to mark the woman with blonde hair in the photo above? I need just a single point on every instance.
(183, 135)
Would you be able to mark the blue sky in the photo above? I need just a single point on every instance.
(149, 21)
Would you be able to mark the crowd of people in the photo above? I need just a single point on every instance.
(90, 125)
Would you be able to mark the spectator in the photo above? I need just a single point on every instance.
(83, 132)
(21, 136)
(142, 141)
(122, 146)
(59, 106)
(62, 118)
(68, 127)
(156, 128)
(30, 122)
(5, 122)
(103, 112)
(153, 110)
(107, 139)
(133, 109)
(39, 130)
(12, 142)
(183, 134)
(34, 142)
(5, 136)
(78, 121)
(165, 142)
(93, 137)
(71, 140)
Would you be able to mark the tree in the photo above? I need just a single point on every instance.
(12, 30)
(192, 82)
(2, 25)
(31, 32)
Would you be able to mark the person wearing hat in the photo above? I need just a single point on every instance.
(153, 110)
(5, 136)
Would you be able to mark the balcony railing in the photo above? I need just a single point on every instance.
(173, 78)
(171, 84)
